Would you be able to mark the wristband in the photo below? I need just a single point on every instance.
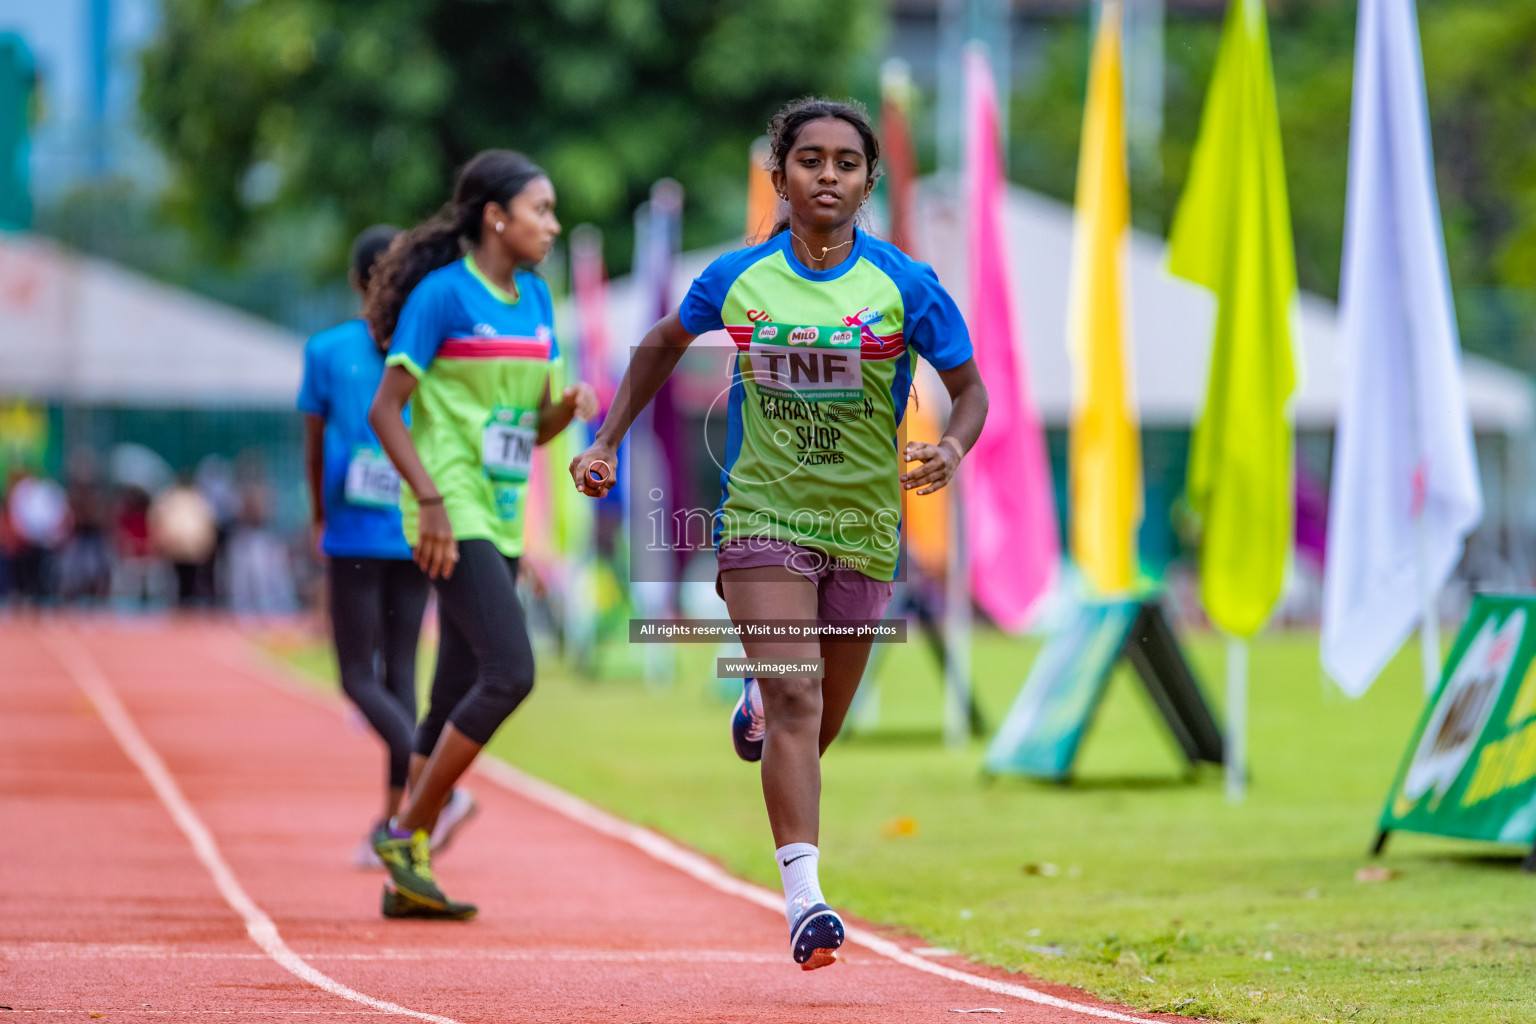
(437, 500)
(959, 451)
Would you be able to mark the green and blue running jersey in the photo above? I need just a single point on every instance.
(481, 360)
(823, 370)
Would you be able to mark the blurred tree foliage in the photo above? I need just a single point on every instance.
(351, 112)
(1480, 69)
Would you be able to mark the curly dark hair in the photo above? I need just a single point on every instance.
(493, 176)
(785, 127)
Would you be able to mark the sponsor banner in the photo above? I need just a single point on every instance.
(1470, 770)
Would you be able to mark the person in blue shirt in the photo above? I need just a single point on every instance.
(828, 322)
(377, 595)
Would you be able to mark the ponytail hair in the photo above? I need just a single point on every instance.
(493, 176)
(784, 130)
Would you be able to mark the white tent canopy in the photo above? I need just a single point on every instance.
(81, 330)
(1171, 323)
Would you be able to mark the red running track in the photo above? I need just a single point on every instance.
(180, 827)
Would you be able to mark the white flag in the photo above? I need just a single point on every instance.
(1403, 458)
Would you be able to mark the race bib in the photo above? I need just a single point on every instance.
(506, 446)
(371, 480)
(814, 364)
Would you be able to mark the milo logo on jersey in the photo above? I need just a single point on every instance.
(811, 363)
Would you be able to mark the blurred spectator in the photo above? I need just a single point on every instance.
(216, 479)
(85, 562)
(260, 574)
(138, 576)
(39, 515)
(181, 528)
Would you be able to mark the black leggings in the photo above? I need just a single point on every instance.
(485, 661)
(376, 609)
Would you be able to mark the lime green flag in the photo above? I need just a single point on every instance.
(1232, 234)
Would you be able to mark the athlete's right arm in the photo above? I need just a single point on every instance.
(315, 403)
(436, 550)
(314, 472)
(653, 362)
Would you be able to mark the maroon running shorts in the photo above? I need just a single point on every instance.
(841, 593)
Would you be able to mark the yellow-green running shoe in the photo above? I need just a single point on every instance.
(409, 860)
(398, 905)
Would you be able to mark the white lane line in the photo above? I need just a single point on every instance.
(258, 925)
(700, 868)
(262, 667)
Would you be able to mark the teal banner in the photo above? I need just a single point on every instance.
(1049, 717)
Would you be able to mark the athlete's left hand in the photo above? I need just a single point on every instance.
(939, 463)
(582, 397)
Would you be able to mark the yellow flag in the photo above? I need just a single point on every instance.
(1105, 449)
(1232, 234)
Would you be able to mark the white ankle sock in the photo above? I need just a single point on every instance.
(797, 868)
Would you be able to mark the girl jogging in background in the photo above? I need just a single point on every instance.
(827, 321)
(377, 595)
(471, 338)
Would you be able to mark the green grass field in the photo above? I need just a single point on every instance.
(1134, 883)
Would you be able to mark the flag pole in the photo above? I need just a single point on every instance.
(1237, 719)
(1429, 616)
(957, 626)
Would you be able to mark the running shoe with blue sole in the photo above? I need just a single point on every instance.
(747, 722)
(816, 936)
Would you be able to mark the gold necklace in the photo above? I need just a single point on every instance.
(824, 249)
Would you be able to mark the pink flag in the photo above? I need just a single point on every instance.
(589, 285)
(1010, 508)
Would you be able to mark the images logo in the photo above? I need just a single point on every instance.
(764, 333)
(485, 331)
(842, 337)
(804, 335)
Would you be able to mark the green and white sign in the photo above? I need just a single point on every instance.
(1470, 770)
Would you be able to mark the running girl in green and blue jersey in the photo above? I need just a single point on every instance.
(471, 339)
(828, 322)
(376, 593)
